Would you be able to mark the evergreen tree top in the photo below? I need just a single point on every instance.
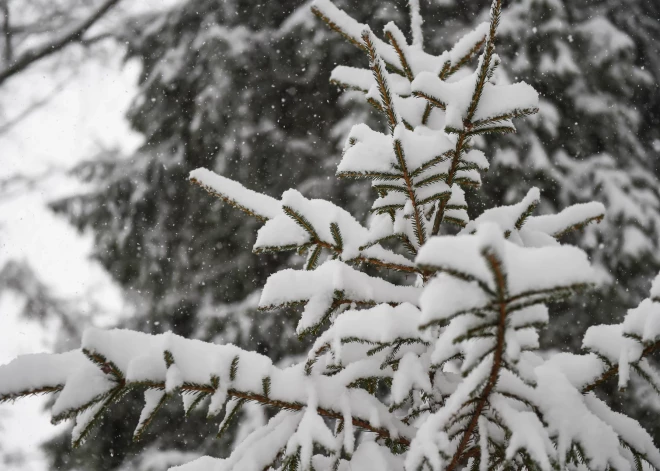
(441, 372)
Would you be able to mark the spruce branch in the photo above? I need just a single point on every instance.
(461, 394)
(461, 144)
(376, 65)
(501, 289)
(418, 228)
(431, 163)
(82, 435)
(579, 226)
(463, 139)
(196, 402)
(388, 265)
(42, 390)
(327, 12)
(230, 416)
(447, 71)
(526, 214)
(451, 69)
(431, 179)
(144, 424)
(614, 369)
(302, 221)
(231, 201)
(335, 27)
(313, 259)
(396, 39)
(371, 175)
(485, 70)
(240, 395)
(432, 102)
(294, 406)
(506, 129)
(347, 86)
(74, 411)
(517, 113)
(106, 366)
(644, 370)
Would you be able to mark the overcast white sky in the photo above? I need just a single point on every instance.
(89, 111)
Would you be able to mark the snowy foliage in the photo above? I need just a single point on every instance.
(441, 372)
(588, 141)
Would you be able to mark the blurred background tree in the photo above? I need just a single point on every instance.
(243, 89)
(55, 35)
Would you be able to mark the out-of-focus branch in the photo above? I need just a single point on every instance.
(6, 30)
(75, 35)
(94, 39)
(34, 106)
(40, 302)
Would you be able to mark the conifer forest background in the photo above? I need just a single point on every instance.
(242, 87)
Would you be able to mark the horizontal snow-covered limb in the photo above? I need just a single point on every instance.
(527, 270)
(363, 80)
(381, 257)
(171, 363)
(370, 153)
(38, 374)
(256, 204)
(497, 104)
(307, 222)
(242, 374)
(326, 288)
(519, 226)
(508, 218)
(381, 324)
(572, 218)
(623, 348)
(392, 329)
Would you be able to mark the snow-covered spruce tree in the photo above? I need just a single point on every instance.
(441, 373)
(587, 71)
(589, 141)
(222, 84)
